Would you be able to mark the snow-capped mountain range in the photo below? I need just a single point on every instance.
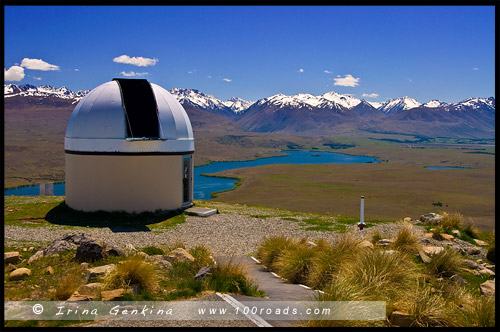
(12, 90)
(329, 100)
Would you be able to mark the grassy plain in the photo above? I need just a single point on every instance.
(391, 191)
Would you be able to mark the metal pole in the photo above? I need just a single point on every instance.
(362, 216)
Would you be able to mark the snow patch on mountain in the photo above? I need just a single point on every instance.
(11, 90)
(434, 104)
(393, 106)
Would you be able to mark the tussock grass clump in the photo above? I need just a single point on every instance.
(328, 260)
(471, 230)
(272, 247)
(445, 264)
(231, 277)
(201, 256)
(294, 264)
(437, 231)
(451, 220)
(425, 308)
(406, 240)
(477, 312)
(134, 270)
(69, 283)
(376, 236)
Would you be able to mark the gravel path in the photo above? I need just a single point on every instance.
(225, 234)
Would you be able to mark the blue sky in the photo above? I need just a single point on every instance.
(253, 52)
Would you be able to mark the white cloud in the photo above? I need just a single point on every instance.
(14, 74)
(327, 71)
(37, 78)
(209, 76)
(76, 69)
(410, 80)
(475, 68)
(192, 71)
(370, 95)
(131, 73)
(37, 64)
(348, 80)
(136, 61)
(227, 79)
(300, 70)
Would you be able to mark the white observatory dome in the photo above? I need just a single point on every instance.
(129, 116)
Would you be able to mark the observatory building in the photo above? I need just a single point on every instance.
(129, 147)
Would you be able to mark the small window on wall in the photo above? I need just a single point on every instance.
(141, 110)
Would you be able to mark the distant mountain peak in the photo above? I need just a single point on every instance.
(27, 90)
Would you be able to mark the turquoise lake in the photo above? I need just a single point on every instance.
(205, 185)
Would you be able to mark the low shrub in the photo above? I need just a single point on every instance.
(134, 270)
(426, 309)
(471, 230)
(437, 232)
(376, 236)
(152, 250)
(478, 312)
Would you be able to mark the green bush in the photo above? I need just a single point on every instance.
(152, 250)
(133, 270)
(294, 263)
(231, 277)
(202, 256)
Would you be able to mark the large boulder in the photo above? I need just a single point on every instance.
(179, 255)
(11, 257)
(431, 218)
(114, 251)
(57, 247)
(458, 279)
(488, 288)
(19, 274)
(89, 251)
(76, 238)
(470, 264)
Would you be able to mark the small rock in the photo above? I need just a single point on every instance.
(407, 219)
(389, 251)
(400, 319)
(487, 288)
(456, 232)
(78, 297)
(48, 270)
(485, 271)
(112, 295)
(203, 273)
(429, 235)
(37, 255)
(490, 267)
(25, 249)
(473, 250)
(89, 251)
(481, 243)
(447, 237)
(19, 274)
(114, 251)
(431, 218)
(92, 290)
(57, 247)
(31, 248)
(432, 251)
(473, 272)
(76, 238)
(166, 265)
(179, 255)
(311, 244)
(426, 259)
(384, 242)
(84, 265)
(99, 271)
(10, 267)
(11, 257)
(366, 244)
(130, 250)
(459, 280)
(471, 264)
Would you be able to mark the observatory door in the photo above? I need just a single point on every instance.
(187, 179)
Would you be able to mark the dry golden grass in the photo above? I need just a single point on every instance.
(406, 240)
(133, 271)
